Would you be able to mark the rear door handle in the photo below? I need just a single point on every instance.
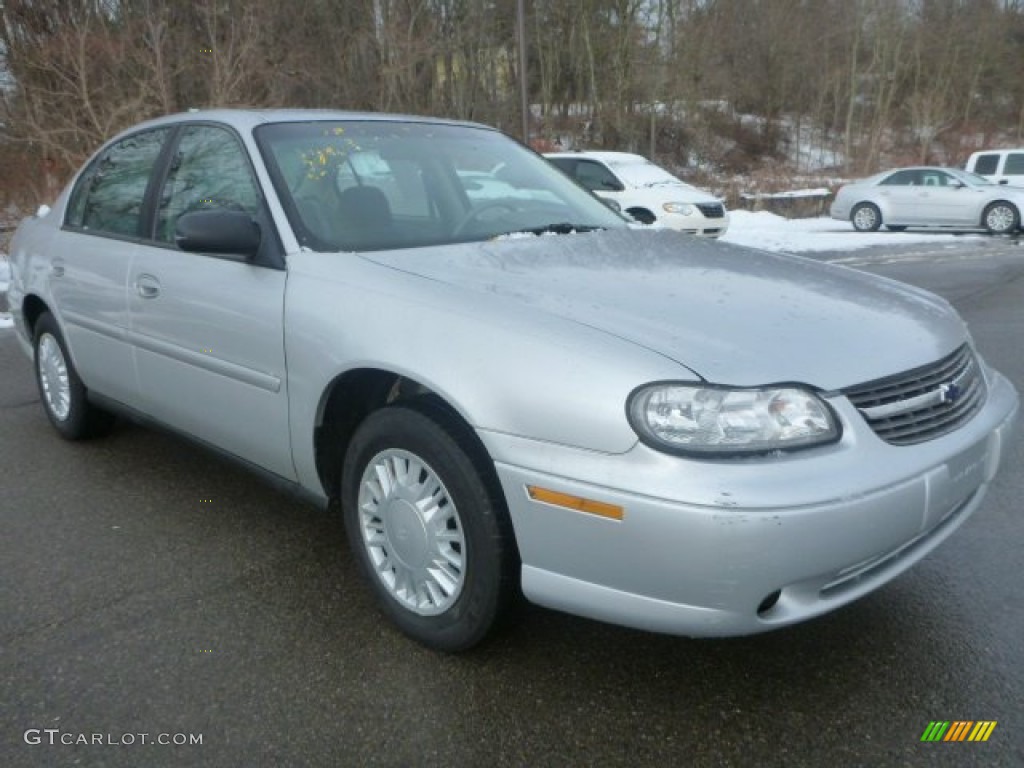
(147, 286)
(57, 267)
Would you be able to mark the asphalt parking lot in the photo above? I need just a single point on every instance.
(149, 588)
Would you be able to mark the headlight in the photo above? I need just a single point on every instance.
(711, 420)
(684, 208)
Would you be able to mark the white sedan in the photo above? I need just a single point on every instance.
(929, 197)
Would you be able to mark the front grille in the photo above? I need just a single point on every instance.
(924, 403)
(711, 210)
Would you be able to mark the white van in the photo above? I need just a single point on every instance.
(645, 191)
(1001, 166)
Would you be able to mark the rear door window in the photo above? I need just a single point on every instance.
(906, 178)
(109, 196)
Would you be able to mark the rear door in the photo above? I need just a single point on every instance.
(901, 196)
(208, 330)
(92, 257)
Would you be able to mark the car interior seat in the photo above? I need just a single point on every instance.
(365, 220)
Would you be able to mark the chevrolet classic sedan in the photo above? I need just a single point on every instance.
(507, 396)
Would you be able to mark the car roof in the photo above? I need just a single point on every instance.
(997, 151)
(247, 119)
(608, 157)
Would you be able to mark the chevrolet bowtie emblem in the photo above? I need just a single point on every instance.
(949, 393)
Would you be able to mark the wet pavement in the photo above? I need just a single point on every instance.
(149, 588)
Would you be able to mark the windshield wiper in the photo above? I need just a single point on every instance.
(558, 228)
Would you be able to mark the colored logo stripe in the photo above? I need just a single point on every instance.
(958, 730)
(982, 730)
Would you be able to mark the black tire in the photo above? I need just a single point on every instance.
(1001, 218)
(895, 228)
(80, 419)
(866, 217)
(642, 215)
(468, 496)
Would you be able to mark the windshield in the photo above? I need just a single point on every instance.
(643, 173)
(368, 185)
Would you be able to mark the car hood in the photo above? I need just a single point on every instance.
(732, 315)
(671, 192)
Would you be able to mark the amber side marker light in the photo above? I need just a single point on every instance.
(577, 503)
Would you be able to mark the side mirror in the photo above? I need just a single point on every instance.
(612, 186)
(229, 233)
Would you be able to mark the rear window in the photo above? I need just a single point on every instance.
(986, 164)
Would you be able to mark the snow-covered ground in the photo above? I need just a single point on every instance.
(775, 233)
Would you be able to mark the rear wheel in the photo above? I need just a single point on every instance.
(65, 398)
(428, 525)
(866, 217)
(1001, 218)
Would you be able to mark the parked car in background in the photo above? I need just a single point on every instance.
(929, 197)
(645, 191)
(1000, 166)
(507, 393)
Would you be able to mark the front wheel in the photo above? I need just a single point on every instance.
(428, 525)
(64, 397)
(1001, 218)
(866, 217)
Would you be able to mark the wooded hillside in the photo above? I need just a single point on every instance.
(727, 86)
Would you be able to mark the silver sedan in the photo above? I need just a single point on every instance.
(513, 395)
(929, 197)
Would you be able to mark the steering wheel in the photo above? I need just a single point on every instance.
(474, 214)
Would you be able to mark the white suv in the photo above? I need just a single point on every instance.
(645, 191)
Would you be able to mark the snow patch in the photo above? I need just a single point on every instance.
(769, 232)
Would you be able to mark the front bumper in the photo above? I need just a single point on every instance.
(695, 224)
(738, 547)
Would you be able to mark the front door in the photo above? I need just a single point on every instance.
(208, 331)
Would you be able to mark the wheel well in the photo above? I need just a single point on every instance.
(1003, 202)
(31, 308)
(350, 399)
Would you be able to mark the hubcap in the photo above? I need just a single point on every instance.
(864, 218)
(53, 375)
(999, 219)
(412, 532)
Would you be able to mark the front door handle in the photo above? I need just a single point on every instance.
(57, 267)
(147, 286)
